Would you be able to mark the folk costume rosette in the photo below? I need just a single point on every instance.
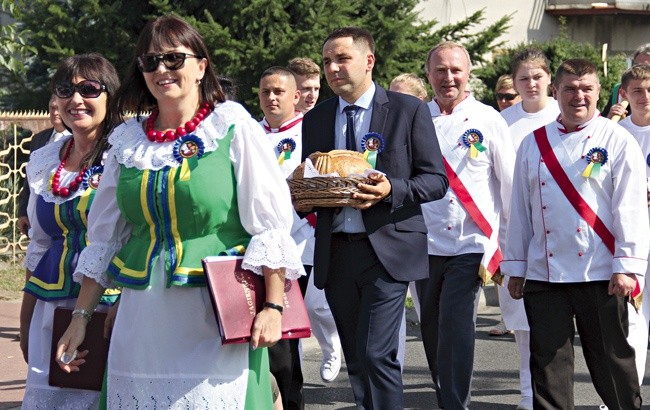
(473, 139)
(596, 158)
(373, 145)
(287, 141)
(285, 148)
(165, 206)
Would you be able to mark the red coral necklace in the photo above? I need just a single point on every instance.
(57, 189)
(172, 135)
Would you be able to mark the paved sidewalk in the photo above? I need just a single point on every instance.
(13, 369)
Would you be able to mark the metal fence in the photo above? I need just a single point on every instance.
(16, 131)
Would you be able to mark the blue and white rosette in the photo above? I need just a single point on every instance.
(473, 139)
(285, 148)
(92, 177)
(596, 158)
(187, 148)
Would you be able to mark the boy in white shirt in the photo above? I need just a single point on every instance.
(635, 88)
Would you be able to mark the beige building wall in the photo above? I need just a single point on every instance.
(622, 25)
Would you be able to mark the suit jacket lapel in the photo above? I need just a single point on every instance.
(379, 115)
(329, 139)
(379, 111)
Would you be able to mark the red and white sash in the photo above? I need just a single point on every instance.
(575, 199)
(492, 256)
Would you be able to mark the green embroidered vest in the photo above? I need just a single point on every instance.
(189, 214)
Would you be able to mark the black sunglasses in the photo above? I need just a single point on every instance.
(506, 96)
(148, 63)
(85, 88)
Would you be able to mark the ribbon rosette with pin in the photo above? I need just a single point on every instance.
(92, 176)
(596, 158)
(473, 139)
(186, 149)
(285, 148)
(373, 145)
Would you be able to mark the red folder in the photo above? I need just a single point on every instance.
(238, 294)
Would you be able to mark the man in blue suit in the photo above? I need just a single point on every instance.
(366, 255)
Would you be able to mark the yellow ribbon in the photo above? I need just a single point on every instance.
(185, 170)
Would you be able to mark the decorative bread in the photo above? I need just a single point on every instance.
(341, 161)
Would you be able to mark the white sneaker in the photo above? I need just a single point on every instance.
(330, 368)
(526, 403)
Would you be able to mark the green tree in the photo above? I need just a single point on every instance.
(557, 50)
(13, 47)
(61, 28)
(244, 36)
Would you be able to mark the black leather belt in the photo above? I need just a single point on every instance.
(349, 237)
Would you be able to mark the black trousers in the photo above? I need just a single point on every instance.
(602, 324)
(448, 308)
(284, 361)
(367, 305)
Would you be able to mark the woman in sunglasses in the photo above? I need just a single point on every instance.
(194, 179)
(532, 79)
(61, 193)
(506, 94)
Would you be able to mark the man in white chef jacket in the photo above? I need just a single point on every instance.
(577, 244)
(463, 227)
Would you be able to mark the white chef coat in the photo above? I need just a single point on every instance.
(488, 178)
(638, 320)
(520, 124)
(547, 239)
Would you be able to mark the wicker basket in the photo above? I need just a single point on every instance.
(325, 191)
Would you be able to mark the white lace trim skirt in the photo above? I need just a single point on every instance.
(38, 393)
(166, 352)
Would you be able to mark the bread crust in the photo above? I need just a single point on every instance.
(341, 161)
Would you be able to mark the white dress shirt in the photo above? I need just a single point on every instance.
(349, 219)
(56, 135)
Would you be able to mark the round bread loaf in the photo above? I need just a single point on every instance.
(341, 161)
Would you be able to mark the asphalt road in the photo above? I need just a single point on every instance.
(495, 384)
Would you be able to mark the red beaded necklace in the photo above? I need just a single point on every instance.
(57, 189)
(171, 135)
